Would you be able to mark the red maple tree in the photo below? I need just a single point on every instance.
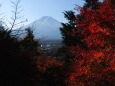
(94, 65)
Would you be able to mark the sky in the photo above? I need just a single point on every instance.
(35, 9)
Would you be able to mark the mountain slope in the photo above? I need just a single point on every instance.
(45, 28)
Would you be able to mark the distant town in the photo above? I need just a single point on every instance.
(49, 47)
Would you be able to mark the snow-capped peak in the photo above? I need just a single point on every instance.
(46, 27)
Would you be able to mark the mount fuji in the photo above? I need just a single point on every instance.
(46, 28)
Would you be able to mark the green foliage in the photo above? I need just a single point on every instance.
(69, 37)
(93, 4)
(29, 45)
(67, 29)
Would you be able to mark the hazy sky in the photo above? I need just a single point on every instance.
(35, 9)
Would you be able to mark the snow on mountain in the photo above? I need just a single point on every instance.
(46, 28)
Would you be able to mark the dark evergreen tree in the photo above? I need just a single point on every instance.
(30, 44)
(29, 49)
(17, 59)
(67, 30)
(71, 36)
(71, 33)
(8, 58)
(93, 4)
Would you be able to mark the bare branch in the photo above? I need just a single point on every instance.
(16, 11)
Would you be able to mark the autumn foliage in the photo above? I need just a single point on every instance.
(94, 65)
(50, 71)
(43, 63)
